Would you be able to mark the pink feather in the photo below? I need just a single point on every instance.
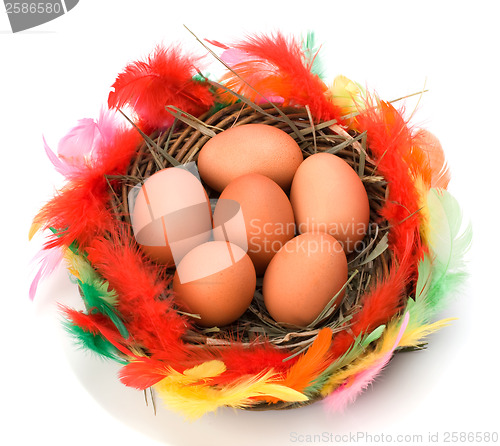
(81, 141)
(351, 389)
(81, 145)
(61, 165)
(48, 260)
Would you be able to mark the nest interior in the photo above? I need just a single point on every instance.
(367, 266)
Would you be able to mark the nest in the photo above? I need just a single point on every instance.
(366, 267)
(396, 282)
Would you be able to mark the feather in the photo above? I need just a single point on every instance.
(442, 271)
(95, 292)
(94, 295)
(391, 141)
(79, 144)
(357, 383)
(242, 360)
(145, 302)
(62, 166)
(195, 400)
(445, 238)
(434, 157)
(93, 342)
(274, 66)
(78, 147)
(146, 372)
(48, 260)
(81, 209)
(347, 96)
(143, 373)
(415, 334)
(97, 324)
(304, 372)
(312, 55)
(332, 376)
(164, 78)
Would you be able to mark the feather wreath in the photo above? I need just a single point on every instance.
(132, 317)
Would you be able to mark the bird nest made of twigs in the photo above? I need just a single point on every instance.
(396, 282)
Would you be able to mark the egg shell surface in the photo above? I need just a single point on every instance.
(302, 278)
(327, 195)
(215, 280)
(249, 148)
(171, 215)
(267, 213)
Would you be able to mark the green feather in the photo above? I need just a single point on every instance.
(97, 299)
(94, 343)
(443, 271)
(311, 52)
(359, 345)
(96, 295)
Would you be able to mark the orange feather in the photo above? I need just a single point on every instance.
(310, 365)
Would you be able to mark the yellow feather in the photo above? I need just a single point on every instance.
(413, 336)
(204, 371)
(35, 227)
(385, 345)
(195, 400)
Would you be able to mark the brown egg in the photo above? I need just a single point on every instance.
(327, 195)
(249, 148)
(303, 277)
(215, 280)
(170, 215)
(267, 215)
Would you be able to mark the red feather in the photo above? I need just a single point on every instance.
(277, 66)
(143, 373)
(144, 300)
(81, 210)
(391, 141)
(241, 361)
(97, 324)
(164, 78)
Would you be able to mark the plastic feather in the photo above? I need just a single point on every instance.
(195, 400)
(357, 383)
(165, 77)
(277, 67)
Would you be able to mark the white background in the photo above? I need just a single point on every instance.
(60, 72)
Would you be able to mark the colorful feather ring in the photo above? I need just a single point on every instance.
(412, 264)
